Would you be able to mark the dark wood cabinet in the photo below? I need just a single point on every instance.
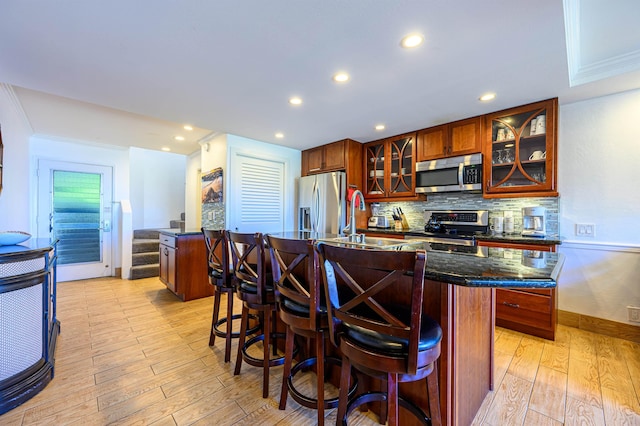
(183, 265)
(330, 157)
(520, 151)
(531, 311)
(449, 140)
(389, 166)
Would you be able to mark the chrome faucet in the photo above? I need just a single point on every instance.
(350, 229)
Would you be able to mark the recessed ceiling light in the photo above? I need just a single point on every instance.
(412, 40)
(379, 126)
(341, 77)
(179, 138)
(487, 97)
(165, 148)
(295, 100)
(187, 127)
(279, 135)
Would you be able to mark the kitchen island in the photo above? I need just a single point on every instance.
(460, 295)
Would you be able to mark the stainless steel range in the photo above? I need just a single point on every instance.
(454, 231)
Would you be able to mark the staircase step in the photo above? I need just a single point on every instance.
(146, 258)
(146, 234)
(145, 245)
(145, 271)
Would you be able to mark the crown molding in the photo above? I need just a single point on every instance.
(17, 105)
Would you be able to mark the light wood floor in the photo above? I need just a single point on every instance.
(132, 353)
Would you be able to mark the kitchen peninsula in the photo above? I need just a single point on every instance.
(460, 295)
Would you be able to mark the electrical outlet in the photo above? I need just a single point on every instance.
(586, 229)
(634, 313)
(210, 215)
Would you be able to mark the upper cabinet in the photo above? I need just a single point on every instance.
(389, 167)
(344, 155)
(520, 151)
(330, 157)
(449, 140)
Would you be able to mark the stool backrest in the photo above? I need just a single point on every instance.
(366, 288)
(249, 261)
(217, 254)
(296, 272)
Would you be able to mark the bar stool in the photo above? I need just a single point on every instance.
(375, 302)
(254, 286)
(302, 308)
(220, 277)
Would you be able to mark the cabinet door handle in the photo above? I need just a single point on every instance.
(511, 305)
(166, 252)
(315, 170)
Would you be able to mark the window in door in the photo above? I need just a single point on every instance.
(76, 216)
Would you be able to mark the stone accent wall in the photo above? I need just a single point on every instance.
(217, 212)
(414, 211)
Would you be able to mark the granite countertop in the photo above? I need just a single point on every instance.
(177, 232)
(502, 268)
(505, 238)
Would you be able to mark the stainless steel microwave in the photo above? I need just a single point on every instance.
(451, 174)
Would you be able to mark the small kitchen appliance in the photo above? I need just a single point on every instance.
(534, 221)
(379, 221)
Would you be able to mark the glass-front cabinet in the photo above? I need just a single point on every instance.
(520, 151)
(389, 167)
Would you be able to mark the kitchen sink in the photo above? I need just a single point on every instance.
(361, 240)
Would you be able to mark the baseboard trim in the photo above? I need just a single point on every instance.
(599, 325)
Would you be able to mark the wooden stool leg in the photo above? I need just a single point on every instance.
(265, 361)
(241, 339)
(227, 348)
(392, 399)
(288, 360)
(216, 312)
(320, 376)
(434, 396)
(345, 379)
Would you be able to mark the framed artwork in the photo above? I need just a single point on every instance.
(212, 186)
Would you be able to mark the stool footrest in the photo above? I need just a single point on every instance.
(258, 362)
(373, 396)
(307, 401)
(222, 332)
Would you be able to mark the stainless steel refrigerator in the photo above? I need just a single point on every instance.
(322, 202)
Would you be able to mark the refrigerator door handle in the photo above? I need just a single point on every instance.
(315, 207)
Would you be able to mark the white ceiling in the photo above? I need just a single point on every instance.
(133, 72)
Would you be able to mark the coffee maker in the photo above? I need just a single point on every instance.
(533, 222)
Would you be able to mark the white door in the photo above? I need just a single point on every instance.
(74, 206)
(255, 195)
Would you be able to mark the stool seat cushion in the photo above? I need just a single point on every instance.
(430, 336)
(297, 308)
(249, 287)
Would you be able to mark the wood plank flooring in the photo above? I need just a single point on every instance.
(131, 353)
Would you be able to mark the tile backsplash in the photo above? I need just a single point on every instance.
(213, 215)
(414, 210)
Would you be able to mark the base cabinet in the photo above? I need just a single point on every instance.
(183, 266)
(530, 311)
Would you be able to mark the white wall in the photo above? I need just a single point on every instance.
(158, 183)
(15, 210)
(193, 202)
(598, 155)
